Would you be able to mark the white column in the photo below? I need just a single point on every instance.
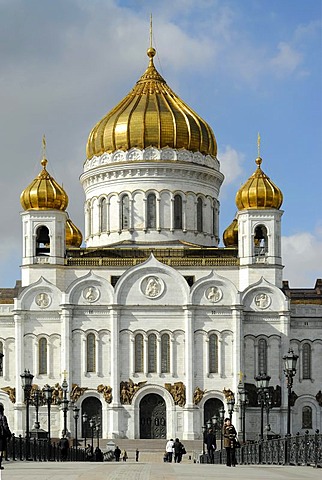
(132, 354)
(20, 353)
(158, 207)
(189, 409)
(115, 360)
(207, 358)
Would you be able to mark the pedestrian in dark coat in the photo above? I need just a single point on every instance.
(177, 446)
(230, 434)
(117, 454)
(63, 447)
(210, 441)
(5, 433)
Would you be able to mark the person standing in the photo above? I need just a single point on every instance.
(63, 447)
(169, 450)
(229, 433)
(5, 433)
(124, 455)
(177, 450)
(117, 454)
(210, 441)
(137, 453)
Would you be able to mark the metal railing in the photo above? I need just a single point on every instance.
(300, 449)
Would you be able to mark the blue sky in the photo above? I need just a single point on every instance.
(245, 66)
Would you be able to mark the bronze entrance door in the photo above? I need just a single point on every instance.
(153, 417)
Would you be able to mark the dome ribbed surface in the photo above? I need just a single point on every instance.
(44, 193)
(230, 236)
(74, 236)
(151, 115)
(259, 192)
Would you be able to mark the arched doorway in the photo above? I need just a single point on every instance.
(93, 409)
(212, 407)
(153, 422)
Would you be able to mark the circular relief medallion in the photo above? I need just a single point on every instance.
(90, 294)
(262, 300)
(152, 287)
(213, 294)
(43, 300)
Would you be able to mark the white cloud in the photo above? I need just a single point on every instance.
(231, 164)
(287, 60)
(302, 257)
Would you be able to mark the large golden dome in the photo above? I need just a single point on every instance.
(230, 235)
(44, 193)
(151, 115)
(259, 192)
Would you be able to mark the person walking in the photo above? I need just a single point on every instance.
(63, 447)
(230, 434)
(137, 453)
(124, 455)
(5, 433)
(210, 442)
(117, 454)
(177, 450)
(169, 450)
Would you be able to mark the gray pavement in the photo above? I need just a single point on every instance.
(150, 470)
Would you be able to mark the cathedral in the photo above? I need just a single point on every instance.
(148, 323)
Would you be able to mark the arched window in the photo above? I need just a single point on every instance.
(262, 356)
(306, 363)
(213, 353)
(42, 356)
(165, 353)
(260, 241)
(90, 353)
(139, 352)
(42, 241)
(1, 365)
(103, 215)
(125, 212)
(177, 211)
(152, 353)
(199, 215)
(307, 417)
(151, 211)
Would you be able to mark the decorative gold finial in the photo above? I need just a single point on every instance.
(65, 374)
(151, 30)
(241, 377)
(44, 160)
(258, 145)
(151, 51)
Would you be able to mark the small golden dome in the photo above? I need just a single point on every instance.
(230, 236)
(151, 115)
(74, 236)
(44, 193)
(259, 192)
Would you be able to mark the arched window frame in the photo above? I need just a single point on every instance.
(138, 353)
(90, 353)
(152, 353)
(151, 210)
(42, 356)
(125, 212)
(213, 353)
(307, 417)
(306, 361)
(199, 215)
(260, 241)
(103, 215)
(165, 353)
(42, 240)
(262, 355)
(177, 212)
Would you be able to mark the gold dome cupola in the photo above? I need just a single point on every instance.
(259, 192)
(151, 115)
(44, 193)
(74, 236)
(230, 236)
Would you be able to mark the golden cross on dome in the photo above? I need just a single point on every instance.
(258, 144)
(65, 374)
(151, 30)
(241, 377)
(44, 145)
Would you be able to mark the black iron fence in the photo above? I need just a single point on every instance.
(40, 450)
(290, 450)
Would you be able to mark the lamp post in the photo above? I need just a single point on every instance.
(76, 417)
(98, 426)
(243, 402)
(92, 426)
(222, 417)
(1, 364)
(289, 370)
(26, 380)
(65, 403)
(230, 405)
(48, 392)
(204, 429)
(84, 418)
(35, 401)
(262, 381)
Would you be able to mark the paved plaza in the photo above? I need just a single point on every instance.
(148, 471)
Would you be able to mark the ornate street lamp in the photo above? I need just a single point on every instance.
(243, 400)
(65, 404)
(289, 370)
(1, 364)
(92, 426)
(26, 381)
(84, 418)
(204, 429)
(231, 405)
(48, 392)
(263, 396)
(36, 401)
(222, 417)
(76, 417)
(98, 426)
